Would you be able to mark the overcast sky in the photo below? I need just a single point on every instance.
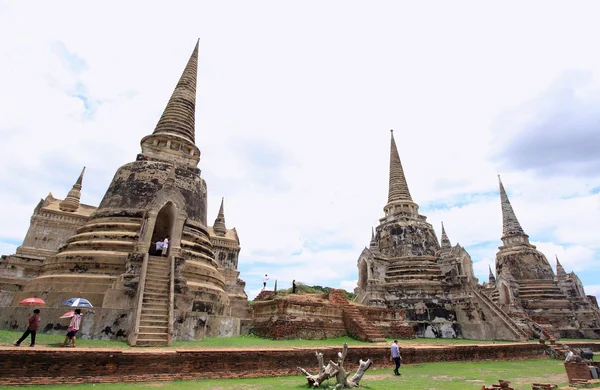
(294, 107)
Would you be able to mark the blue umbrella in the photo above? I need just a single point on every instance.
(77, 302)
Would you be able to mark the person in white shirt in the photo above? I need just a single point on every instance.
(165, 246)
(396, 356)
(570, 355)
(265, 282)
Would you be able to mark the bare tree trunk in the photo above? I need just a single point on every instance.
(362, 367)
(336, 369)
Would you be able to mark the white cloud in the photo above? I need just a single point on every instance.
(348, 285)
(314, 104)
(573, 258)
(593, 290)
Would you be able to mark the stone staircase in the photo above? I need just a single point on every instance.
(356, 323)
(505, 318)
(540, 289)
(154, 317)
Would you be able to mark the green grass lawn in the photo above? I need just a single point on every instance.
(249, 341)
(446, 376)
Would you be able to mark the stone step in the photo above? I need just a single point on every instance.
(156, 288)
(150, 343)
(153, 329)
(163, 282)
(162, 323)
(157, 275)
(156, 268)
(152, 294)
(154, 301)
(154, 311)
(149, 320)
(157, 283)
(160, 263)
(152, 336)
(156, 291)
(155, 305)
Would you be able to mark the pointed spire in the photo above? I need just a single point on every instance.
(560, 271)
(510, 223)
(445, 240)
(178, 118)
(373, 245)
(71, 202)
(171, 178)
(219, 225)
(398, 189)
(491, 277)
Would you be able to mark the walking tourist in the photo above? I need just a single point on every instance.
(294, 286)
(32, 324)
(396, 356)
(73, 328)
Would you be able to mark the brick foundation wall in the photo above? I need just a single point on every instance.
(577, 371)
(26, 366)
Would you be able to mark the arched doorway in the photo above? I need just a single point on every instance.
(163, 227)
(363, 275)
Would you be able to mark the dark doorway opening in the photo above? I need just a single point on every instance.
(363, 275)
(163, 228)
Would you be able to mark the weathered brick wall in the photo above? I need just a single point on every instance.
(577, 371)
(292, 318)
(27, 366)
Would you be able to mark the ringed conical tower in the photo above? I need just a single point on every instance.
(521, 258)
(159, 195)
(528, 289)
(401, 267)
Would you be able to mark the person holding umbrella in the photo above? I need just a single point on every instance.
(33, 323)
(73, 328)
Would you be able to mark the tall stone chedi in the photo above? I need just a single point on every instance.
(111, 260)
(528, 290)
(405, 267)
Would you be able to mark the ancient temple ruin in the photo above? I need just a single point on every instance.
(108, 254)
(405, 267)
(526, 287)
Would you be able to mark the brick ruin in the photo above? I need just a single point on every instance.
(319, 316)
(405, 267)
(108, 255)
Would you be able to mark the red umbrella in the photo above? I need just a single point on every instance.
(32, 302)
(68, 314)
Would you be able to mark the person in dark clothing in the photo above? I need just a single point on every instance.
(32, 326)
(294, 286)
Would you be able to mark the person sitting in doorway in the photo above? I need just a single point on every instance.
(165, 246)
(159, 247)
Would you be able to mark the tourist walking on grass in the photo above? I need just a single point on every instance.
(73, 328)
(396, 356)
(32, 324)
